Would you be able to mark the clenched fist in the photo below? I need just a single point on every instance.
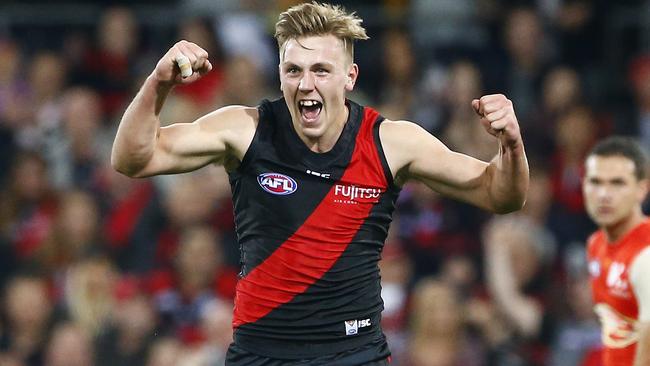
(184, 63)
(498, 117)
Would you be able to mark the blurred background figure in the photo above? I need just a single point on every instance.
(561, 90)
(518, 253)
(194, 100)
(575, 134)
(439, 336)
(69, 345)
(78, 145)
(216, 321)
(130, 334)
(577, 334)
(88, 298)
(110, 66)
(186, 293)
(469, 138)
(634, 119)
(28, 205)
(396, 95)
(74, 237)
(165, 351)
(28, 314)
(396, 279)
(47, 77)
(524, 63)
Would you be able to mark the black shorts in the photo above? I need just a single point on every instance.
(373, 354)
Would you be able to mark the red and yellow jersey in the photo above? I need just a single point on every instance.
(614, 276)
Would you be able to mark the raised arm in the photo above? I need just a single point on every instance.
(499, 186)
(143, 148)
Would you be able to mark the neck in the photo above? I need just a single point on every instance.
(616, 231)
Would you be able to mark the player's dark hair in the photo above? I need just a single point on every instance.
(626, 147)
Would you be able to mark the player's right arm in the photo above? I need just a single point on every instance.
(143, 148)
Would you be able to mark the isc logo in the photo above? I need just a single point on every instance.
(277, 183)
(352, 326)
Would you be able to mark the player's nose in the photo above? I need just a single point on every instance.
(307, 82)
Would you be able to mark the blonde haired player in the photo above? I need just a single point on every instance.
(614, 187)
(314, 178)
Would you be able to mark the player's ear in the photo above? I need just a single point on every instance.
(353, 73)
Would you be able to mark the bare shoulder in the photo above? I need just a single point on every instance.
(235, 125)
(402, 142)
(236, 117)
(403, 133)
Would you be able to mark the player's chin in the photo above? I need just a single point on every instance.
(605, 220)
(312, 132)
(312, 127)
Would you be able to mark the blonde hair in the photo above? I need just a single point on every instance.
(314, 19)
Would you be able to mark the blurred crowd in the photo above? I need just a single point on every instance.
(100, 269)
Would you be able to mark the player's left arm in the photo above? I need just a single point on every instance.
(499, 186)
(640, 278)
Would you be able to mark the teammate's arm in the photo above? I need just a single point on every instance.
(640, 278)
(499, 186)
(143, 148)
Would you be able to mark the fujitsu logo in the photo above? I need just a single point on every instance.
(352, 194)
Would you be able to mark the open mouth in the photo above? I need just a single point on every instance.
(310, 109)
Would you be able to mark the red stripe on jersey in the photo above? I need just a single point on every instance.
(314, 248)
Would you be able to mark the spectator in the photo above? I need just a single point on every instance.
(89, 300)
(70, 345)
(130, 333)
(184, 294)
(575, 133)
(28, 205)
(165, 351)
(111, 67)
(28, 312)
(439, 337)
(517, 258)
(465, 81)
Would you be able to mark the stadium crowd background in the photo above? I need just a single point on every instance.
(99, 269)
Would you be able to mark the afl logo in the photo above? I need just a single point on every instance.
(277, 183)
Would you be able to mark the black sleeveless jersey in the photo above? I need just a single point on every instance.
(311, 227)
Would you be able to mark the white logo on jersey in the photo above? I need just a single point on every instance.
(322, 175)
(614, 279)
(352, 194)
(352, 326)
(277, 183)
